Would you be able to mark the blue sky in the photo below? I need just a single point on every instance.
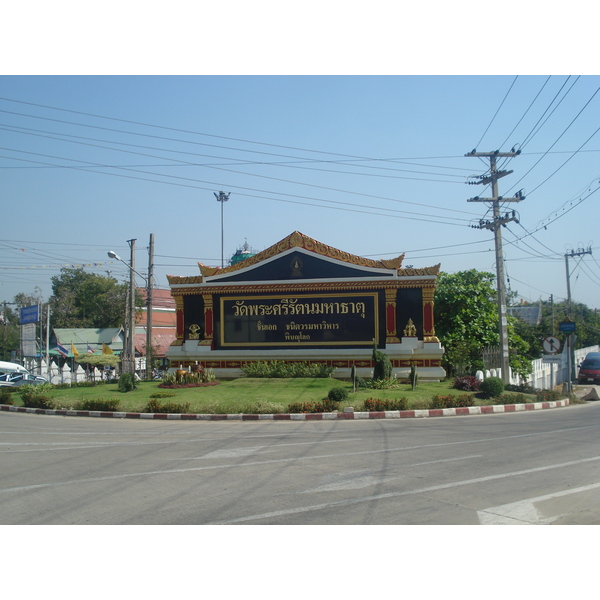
(371, 164)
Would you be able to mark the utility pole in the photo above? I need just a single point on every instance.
(494, 225)
(149, 348)
(570, 343)
(222, 197)
(130, 352)
(572, 254)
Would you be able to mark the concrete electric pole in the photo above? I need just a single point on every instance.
(149, 288)
(494, 225)
(572, 254)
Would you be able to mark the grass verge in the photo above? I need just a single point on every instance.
(252, 395)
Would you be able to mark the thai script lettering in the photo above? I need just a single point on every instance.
(293, 307)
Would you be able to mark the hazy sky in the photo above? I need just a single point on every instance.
(371, 164)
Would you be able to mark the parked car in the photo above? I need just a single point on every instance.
(17, 379)
(589, 370)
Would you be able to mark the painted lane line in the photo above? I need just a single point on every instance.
(523, 512)
(433, 488)
(248, 450)
(354, 480)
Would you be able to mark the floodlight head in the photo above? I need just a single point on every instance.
(112, 254)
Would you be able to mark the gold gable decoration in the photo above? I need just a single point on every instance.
(299, 240)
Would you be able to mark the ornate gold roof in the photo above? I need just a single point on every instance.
(299, 240)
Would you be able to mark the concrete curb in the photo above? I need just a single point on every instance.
(348, 416)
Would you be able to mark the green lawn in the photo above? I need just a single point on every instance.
(235, 396)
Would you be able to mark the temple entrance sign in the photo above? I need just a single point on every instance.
(301, 300)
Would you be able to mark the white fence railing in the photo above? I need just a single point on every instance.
(545, 375)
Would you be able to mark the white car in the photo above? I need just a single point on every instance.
(16, 379)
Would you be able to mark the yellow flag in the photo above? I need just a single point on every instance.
(106, 349)
(74, 350)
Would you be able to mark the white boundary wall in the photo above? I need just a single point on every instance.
(545, 375)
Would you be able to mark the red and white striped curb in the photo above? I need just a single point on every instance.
(388, 414)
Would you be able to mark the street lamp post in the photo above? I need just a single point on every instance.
(130, 310)
(128, 359)
(222, 197)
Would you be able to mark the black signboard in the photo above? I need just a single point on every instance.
(299, 320)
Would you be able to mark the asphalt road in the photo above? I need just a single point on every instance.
(539, 467)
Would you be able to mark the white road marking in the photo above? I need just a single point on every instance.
(524, 512)
(355, 480)
(434, 488)
(245, 451)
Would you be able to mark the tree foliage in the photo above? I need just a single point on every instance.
(81, 299)
(466, 322)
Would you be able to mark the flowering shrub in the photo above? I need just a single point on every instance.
(547, 396)
(378, 404)
(5, 396)
(469, 383)
(451, 401)
(105, 404)
(35, 396)
(326, 405)
(198, 378)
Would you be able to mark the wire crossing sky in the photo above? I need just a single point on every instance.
(372, 165)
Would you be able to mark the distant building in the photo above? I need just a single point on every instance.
(242, 254)
(164, 323)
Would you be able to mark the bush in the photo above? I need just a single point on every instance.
(36, 396)
(127, 383)
(382, 365)
(326, 405)
(279, 369)
(377, 404)
(103, 404)
(187, 380)
(6, 395)
(468, 383)
(451, 401)
(511, 399)
(154, 406)
(548, 396)
(492, 387)
(337, 394)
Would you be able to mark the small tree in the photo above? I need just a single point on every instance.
(383, 365)
(413, 376)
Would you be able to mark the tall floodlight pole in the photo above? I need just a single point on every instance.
(222, 197)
